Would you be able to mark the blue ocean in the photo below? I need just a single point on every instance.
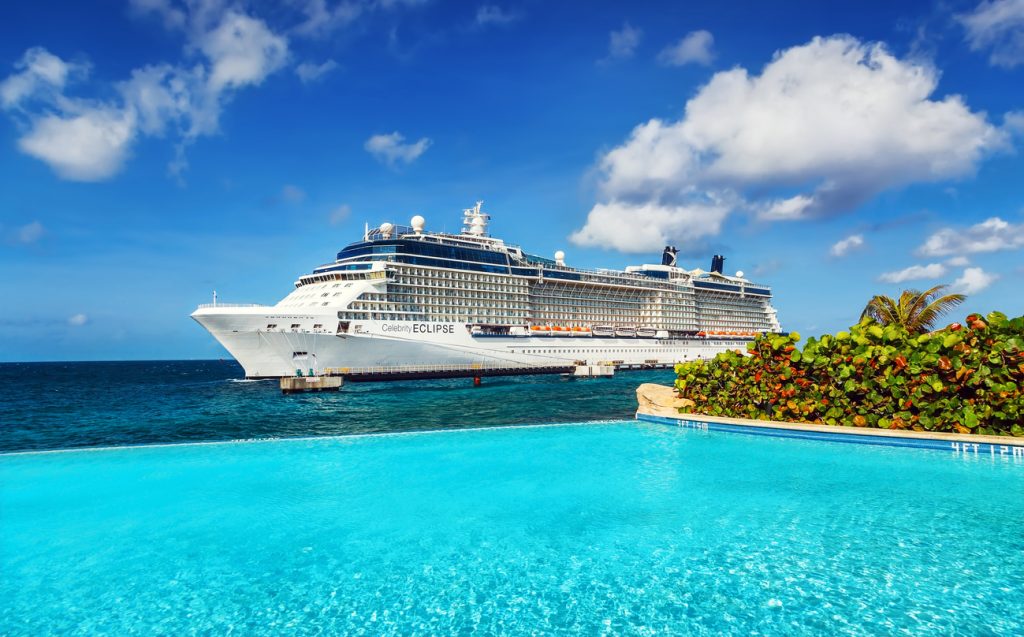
(436, 508)
(72, 405)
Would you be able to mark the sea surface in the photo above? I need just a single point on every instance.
(71, 405)
(627, 528)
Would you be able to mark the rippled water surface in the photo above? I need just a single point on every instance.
(600, 528)
(62, 405)
(621, 528)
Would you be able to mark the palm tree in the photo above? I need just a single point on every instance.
(915, 311)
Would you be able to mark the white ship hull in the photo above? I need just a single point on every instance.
(407, 344)
(406, 300)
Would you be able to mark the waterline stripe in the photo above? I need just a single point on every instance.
(245, 441)
(1012, 449)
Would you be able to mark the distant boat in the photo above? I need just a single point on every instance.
(646, 332)
(625, 332)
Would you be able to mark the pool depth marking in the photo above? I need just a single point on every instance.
(959, 445)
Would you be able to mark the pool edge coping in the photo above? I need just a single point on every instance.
(269, 439)
(966, 443)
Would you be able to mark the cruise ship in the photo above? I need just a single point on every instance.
(405, 297)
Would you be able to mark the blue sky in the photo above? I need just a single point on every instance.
(154, 150)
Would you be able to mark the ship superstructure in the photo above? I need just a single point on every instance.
(403, 296)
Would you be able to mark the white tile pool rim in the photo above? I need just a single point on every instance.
(959, 444)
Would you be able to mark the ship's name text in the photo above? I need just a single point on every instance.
(418, 328)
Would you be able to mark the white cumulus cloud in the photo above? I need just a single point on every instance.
(310, 72)
(824, 127)
(392, 149)
(89, 139)
(242, 51)
(997, 26)
(320, 19)
(173, 16)
(489, 14)
(1014, 122)
(914, 273)
(90, 146)
(646, 227)
(694, 48)
(339, 214)
(39, 73)
(974, 280)
(991, 235)
(622, 44)
(30, 232)
(292, 194)
(77, 320)
(844, 246)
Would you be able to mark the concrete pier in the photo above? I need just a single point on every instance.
(482, 370)
(593, 371)
(299, 384)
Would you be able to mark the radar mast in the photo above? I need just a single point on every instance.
(475, 220)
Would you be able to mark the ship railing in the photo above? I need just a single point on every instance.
(207, 305)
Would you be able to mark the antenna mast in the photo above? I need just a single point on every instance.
(475, 220)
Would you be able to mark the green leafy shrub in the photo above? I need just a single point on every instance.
(962, 379)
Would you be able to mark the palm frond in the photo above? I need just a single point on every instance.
(930, 313)
(914, 310)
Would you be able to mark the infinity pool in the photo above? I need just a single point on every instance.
(594, 528)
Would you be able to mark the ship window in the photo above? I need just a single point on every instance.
(295, 326)
(271, 326)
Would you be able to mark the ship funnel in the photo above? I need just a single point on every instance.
(668, 257)
(717, 263)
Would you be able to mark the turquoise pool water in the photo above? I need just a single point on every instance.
(620, 528)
